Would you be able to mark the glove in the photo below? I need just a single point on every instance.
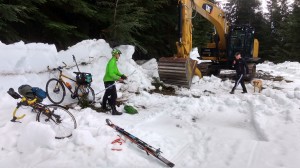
(123, 77)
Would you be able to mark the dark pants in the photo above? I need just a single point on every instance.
(111, 92)
(239, 79)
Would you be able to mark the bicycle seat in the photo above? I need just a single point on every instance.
(13, 94)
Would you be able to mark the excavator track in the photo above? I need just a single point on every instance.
(207, 69)
(204, 67)
(176, 71)
(252, 71)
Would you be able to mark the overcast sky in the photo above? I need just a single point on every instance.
(263, 2)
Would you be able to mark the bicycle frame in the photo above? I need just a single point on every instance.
(25, 102)
(80, 91)
(58, 117)
(60, 78)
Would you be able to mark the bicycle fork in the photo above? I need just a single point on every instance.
(51, 116)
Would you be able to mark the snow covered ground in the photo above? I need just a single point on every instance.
(204, 126)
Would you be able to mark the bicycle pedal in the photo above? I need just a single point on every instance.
(56, 90)
(73, 96)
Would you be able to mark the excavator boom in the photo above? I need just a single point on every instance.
(179, 70)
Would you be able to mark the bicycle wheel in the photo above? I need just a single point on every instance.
(86, 95)
(59, 118)
(56, 91)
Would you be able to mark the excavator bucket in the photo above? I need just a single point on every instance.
(176, 71)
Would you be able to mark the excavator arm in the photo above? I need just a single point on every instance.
(209, 11)
(216, 16)
(184, 43)
(180, 69)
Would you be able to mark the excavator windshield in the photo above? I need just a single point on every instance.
(240, 40)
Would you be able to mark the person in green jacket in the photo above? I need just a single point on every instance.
(112, 75)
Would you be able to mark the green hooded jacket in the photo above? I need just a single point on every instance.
(112, 72)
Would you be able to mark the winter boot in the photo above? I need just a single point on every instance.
(114, 111)
(232, 92)
(104, 107)
(245, 91)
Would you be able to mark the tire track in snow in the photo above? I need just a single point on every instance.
(221, 123)
(195, 149)
(257, 120)
(252, 154)
(178, 156)
(298, 119)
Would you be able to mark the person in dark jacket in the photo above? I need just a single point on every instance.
(241, 70)
(112, 75)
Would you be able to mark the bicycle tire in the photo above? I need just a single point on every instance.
(86, 95)
(54, 88)
(60, 120)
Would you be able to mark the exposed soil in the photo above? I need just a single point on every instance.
(267, 76)
(161, 88)
(164, 90)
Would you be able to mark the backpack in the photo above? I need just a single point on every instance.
(130, 109)
(39, 93)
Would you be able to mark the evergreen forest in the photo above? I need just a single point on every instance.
(150, 25)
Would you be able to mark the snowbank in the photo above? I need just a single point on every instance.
(204, 126)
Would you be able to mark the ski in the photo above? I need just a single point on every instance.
(141, 144)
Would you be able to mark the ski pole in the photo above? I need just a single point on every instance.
(113, 84)
(106, 88)
(74, 59)
(132, 73)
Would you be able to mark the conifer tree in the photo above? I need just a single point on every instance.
(278, 13)
(160, 36)
(273, 15)
(14, 14)
(203, 31)
(60, 22)
(242, 11)
(128, 21)
(293, 35)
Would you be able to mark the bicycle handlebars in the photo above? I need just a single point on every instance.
(24, 102)
(59, 68)
(15, 117)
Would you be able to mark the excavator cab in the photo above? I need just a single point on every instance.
(240, 39)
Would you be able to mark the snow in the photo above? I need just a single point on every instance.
(203, 126)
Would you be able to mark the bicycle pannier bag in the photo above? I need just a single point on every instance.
(84, 78)
(39, 93)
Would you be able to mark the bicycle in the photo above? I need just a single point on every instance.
(58, 117)
(56, 91)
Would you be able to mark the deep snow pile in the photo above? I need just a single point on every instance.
(204, 126)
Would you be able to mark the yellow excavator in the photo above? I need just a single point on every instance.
(179, 70)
